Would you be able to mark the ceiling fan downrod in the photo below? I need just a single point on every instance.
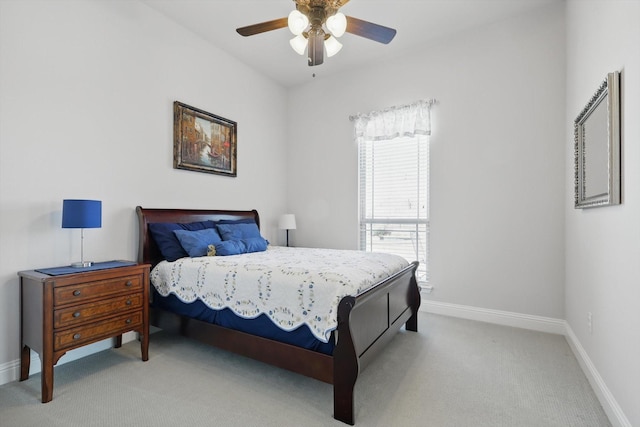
(316, 36)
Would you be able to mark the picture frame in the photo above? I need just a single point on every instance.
(203, 142)
(597, 147)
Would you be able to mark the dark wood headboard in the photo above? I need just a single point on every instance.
(148, 252)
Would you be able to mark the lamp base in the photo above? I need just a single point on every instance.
(82, 264)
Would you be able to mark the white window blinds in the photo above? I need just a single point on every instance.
(394, 199)
(394, 183)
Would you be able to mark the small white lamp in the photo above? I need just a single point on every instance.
(287, 222)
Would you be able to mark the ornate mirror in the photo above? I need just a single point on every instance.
(597, 147)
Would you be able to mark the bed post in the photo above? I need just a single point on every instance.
(414, 302)
(345, 365)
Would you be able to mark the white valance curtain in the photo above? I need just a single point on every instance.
(406, 120)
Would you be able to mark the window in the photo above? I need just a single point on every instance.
(393, 147)
(394, 198)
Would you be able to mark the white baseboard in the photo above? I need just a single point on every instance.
(10, 371)
(506, 318)
(608, 402)
(541, 324)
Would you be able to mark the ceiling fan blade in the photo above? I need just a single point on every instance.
(262, 27)
(370, 30)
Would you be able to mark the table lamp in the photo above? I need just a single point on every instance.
(81, 214)
(287, 222)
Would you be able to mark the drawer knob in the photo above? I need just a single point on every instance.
(76, 293)
(128, 302)
(129, 283)
(76, 314)
(76, 336)
(128, 321)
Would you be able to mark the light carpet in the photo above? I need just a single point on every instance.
(453, 373)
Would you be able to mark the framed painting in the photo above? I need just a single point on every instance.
(203, 142)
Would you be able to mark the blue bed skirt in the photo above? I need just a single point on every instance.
(261, 326)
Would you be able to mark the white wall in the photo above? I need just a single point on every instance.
(497, 159)
(603, 244)
(86, 111)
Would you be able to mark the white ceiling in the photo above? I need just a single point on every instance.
(418, 22)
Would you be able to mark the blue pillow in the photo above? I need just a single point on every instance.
(242, 246)
(255, 244)
(237, 221)
(166, 240)
(230, 247)
(196, 243)
(238, 230)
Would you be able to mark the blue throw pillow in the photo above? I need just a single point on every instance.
(196, 243)
(166, 240)
(241, 246)
(230, 247)
(238, 230)
(255, 244)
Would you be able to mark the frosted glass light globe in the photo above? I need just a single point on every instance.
(337, 24)
(297, 22)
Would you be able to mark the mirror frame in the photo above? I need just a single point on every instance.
(609, 93)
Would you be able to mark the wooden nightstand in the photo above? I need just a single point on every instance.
(60, 313)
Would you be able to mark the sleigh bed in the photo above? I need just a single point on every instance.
(366, 322)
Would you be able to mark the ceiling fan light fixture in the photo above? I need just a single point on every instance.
(299, 44)
(297, 22)
(316, 25)
(337, 24)
(332, 46)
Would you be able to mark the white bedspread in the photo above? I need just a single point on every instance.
(293, 286)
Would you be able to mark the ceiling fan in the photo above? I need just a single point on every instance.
(307, 23)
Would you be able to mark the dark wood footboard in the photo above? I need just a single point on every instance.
(366, 322)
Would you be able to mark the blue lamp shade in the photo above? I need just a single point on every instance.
(81, 213)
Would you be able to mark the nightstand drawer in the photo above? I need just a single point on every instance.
(86, 291)
(95, 331)
(87, 312)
